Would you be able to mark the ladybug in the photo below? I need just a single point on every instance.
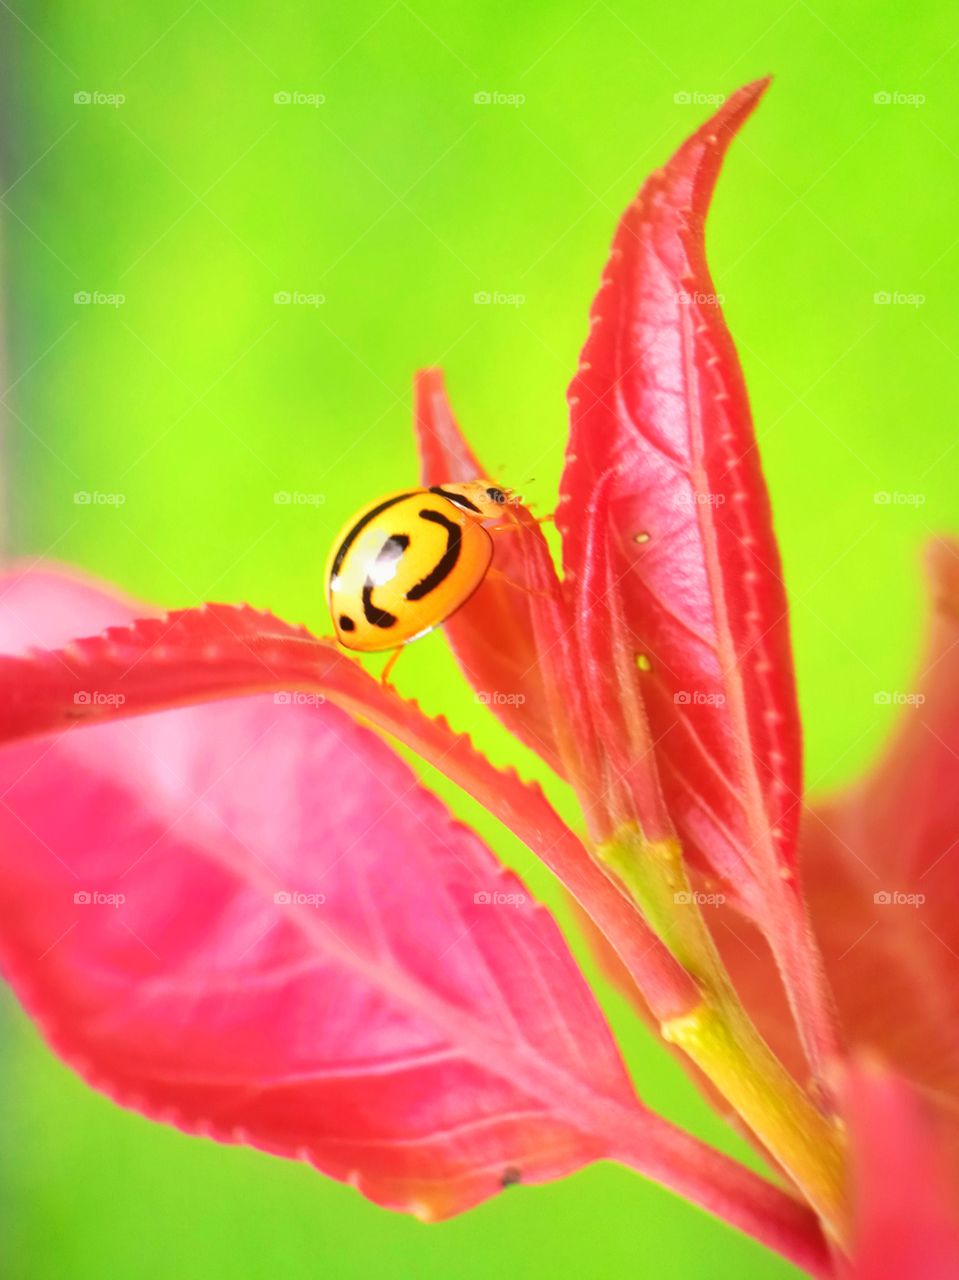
(405, 563)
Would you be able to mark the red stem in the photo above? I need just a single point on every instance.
(727, 1190)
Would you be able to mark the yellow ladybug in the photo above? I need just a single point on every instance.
(405, 563)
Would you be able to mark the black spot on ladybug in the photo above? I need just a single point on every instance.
(510, 1177)
(347, 623)
(443, 569)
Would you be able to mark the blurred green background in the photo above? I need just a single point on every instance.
(387, 207)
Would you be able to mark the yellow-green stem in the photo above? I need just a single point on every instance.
(720, 1038)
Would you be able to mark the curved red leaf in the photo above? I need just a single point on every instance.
(661, 426)
(660, 418)
(880, 869)
(494, 635)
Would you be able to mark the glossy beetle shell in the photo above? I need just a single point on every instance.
(403, 564)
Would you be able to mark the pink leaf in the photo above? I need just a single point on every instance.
(251, 921)
(663, 461)
(308, 953)
(224, 651)
(234, 916)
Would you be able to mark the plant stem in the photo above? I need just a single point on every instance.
(719, 1036)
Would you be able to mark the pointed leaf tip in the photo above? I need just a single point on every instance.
(663, 462)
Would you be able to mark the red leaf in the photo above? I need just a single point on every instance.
(907, 1224)
(660, 418)
(494, 635)
(881, 866)
(663, 461)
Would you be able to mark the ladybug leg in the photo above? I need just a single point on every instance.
(497, 575)
(390, 664)
(516, 524)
